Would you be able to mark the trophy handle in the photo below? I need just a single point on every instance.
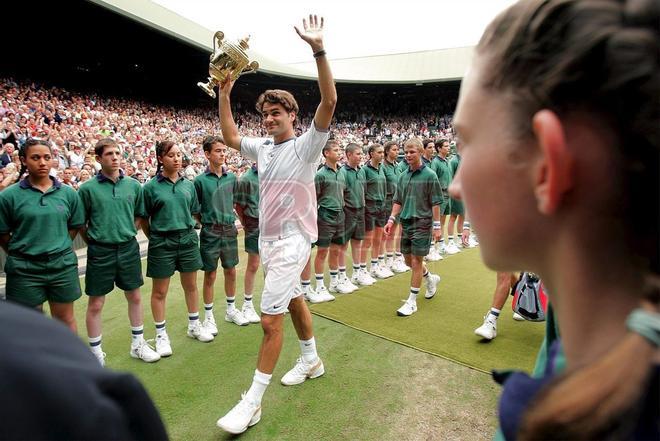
(217, 39)
(252, 67)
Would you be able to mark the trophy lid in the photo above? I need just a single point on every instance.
(244, 43)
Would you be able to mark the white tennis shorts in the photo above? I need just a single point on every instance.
(283, 261)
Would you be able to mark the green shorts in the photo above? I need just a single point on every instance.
(445, 206)
(32, 281)
(113, 264)
(218, 242)
(353, 223)
(375, 217)
(330, 225)
(173, 251)
(416, 236)
(251, 238)
(457, 208)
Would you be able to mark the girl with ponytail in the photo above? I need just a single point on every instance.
(171, 207)
(560, 112)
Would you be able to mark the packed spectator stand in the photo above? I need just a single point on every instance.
(74, 121)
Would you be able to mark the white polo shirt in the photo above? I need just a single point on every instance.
(287, 198)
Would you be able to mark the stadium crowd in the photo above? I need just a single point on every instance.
(73, 122)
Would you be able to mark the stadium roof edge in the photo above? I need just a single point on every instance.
(428, 66)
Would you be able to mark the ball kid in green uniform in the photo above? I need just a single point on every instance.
(457, 212)
(417, 203)
(39, 217)
(216, 190)
(375, 215)
(170, 202)
(247, 207)
(392, 246)
(113, 206)
(442, 169)
(330, 184)
(353, 215)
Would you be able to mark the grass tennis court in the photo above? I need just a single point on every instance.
(444, 325)
(374, 388)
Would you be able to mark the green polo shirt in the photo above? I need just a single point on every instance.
(417, 192)
(39, 223)
(391, 176)
(248, 192)
(376, 184)
(454, 161)
(111, 208)
(354, 194)
(442, 169)
(402, 166)
(330, 186)
(216, 195)
(170, 205)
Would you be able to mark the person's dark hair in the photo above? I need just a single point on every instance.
(426, 141)
(162, 148)
(388, 146)
(207, 143)
(352, 148)
(372, 148)
(23, 151)
(277, 96)
(599, 59)
(439, 142)
(329, 145)
(102, 144)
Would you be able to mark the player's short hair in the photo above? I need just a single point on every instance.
(277, 96)
(426, 141)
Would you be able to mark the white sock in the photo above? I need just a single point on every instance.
(494, 312)
(260, 382)
(95, 344)
(306, 284)
(230, 303)
(308, 350)
(412, 298)
(333, 277)
(247, 300)
(193, 319)
(208, 310)
(319, 280)
(137, 334)
(160, 328)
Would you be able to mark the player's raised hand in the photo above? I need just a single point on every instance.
(312, 32)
